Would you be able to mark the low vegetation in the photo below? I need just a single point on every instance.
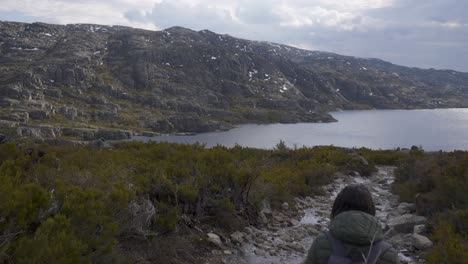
(83, 204)
(158, 200)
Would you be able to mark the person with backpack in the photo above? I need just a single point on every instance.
(355, 234)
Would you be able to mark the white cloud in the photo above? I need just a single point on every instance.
(84, 11)
(353, 5)
(294, 13)
(316, 16)
(451, 24)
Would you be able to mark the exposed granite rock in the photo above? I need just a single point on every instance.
(50, 132)
(193, 124)
(87, 134)
(38, 114)
(38, 131)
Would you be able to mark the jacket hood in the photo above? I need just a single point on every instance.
(357, 228)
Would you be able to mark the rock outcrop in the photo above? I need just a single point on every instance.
(48, 131)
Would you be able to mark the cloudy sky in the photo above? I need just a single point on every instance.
(421, 33)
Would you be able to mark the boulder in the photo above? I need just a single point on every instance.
(396, 240)
(260, 252)
(419, 229)
(293, 222)
(262, 218)
(421, 242)
(406, 222)
(266, 208)
(285, 206)
(215, 239)
(237, 237)
(265, 212)
(406, 208)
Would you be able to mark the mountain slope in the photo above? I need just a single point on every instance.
(179, 80)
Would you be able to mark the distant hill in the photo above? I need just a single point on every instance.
(180, 80)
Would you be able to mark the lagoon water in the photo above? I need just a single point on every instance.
(437, 129)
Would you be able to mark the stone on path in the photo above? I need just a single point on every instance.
(405, 223)
(406, 208)
(293, 222)
(238, 237)
(215, 239)
(260, 252)
(421, 242)
(419, 229)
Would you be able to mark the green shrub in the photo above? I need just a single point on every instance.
(166, 219)
(53, 242)
(451, 246)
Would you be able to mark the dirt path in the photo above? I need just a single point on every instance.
(288, 236)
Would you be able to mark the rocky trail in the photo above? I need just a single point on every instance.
(289, 232)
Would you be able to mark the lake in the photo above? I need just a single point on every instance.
(435, 129)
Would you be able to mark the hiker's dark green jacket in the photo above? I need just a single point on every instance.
(356, 230)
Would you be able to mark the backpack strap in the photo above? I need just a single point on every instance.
(337, 246)
(377, 250)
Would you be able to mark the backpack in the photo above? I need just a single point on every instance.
(339, 254)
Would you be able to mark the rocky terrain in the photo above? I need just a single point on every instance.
(288, 233)
(90, 81)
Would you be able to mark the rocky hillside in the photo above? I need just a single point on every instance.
(90, 80)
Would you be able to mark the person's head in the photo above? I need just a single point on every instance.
(353, 197)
